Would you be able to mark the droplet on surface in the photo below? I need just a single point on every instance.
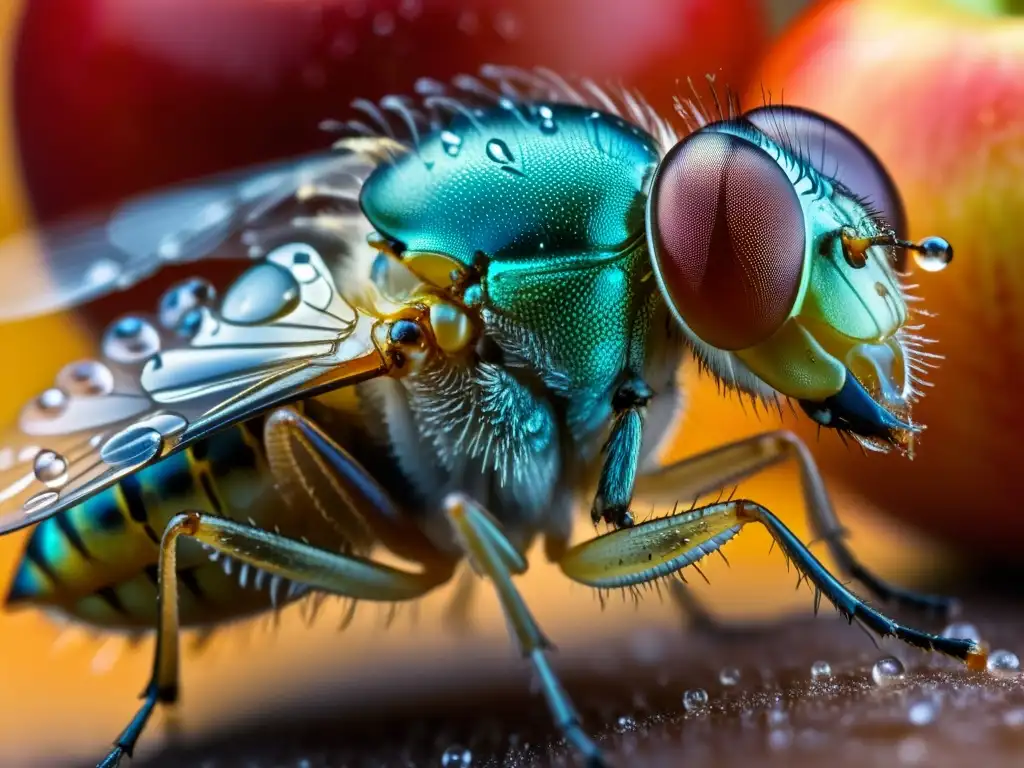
(451, 142)
(888, 671)
(263, 293)
(88, 378)
(935, 254)
(134, 445)
(1003, 663)
(499, 152)
(923, 712)
(961, 630)
(547, 120)
(456, 757)
(729, 676)
(39, 502)
(821, 670)
(131, 340)
(52, 401)
(695, 700)
(50, 468)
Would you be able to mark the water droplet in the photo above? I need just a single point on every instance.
(507, 25)
(1003, 663)
(50, 468)
(451, 143)
(36, 504)
(132, 446)
(923, 712)
(821, 670)
(87, 378)
(131, 340)
(962, 631)
(545, 112)
(888, 671)
(547, 120)
(52, 401)
(190, 324)
(182, 298)
(935, 254)
(499, 152)
(729, 676)
(383, 23)
(456, 757)
(695, 700)
(627, 723)
(263, 293)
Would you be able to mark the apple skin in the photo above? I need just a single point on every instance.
(114, 97)
(938, 93)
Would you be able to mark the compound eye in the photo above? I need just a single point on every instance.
(837, 154)
(728, 237)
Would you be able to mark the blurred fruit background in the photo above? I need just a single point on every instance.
(104, 99)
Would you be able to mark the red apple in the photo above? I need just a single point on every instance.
(937, 90)
(117, 96)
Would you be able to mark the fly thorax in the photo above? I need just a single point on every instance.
(487, 431)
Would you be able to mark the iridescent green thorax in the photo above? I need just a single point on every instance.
(549, 203)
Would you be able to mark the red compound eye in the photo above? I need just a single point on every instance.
(728, 237)
(836, 153)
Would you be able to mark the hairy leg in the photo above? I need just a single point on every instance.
(722, 467)
(661, 547)
(496, 559)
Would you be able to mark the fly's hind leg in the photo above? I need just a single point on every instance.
(722, 467)
(661, 547)
(301, 456)
(343, 575)
(491, 554)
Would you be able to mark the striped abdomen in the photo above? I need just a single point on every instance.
(98, 561)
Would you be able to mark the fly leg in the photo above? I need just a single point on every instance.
(343, 575)
(622, 454)
(722, 467)
(491, 554)
(661, 547)
(301, 457)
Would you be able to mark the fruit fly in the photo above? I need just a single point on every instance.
(465, 317)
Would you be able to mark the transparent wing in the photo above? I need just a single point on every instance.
(282, 331)
(82, 259)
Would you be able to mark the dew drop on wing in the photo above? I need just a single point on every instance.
(86, 378)
(40, 502)
(51, 402)
(133, 446)
(263, 293)
(130, 340)
(963, 631)
(182, 298)
(50, 469)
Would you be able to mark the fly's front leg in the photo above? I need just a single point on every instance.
(622, 454)
(722, 467)
(661, 547)
(491, 554)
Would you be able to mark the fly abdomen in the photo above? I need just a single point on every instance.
(97, 561)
